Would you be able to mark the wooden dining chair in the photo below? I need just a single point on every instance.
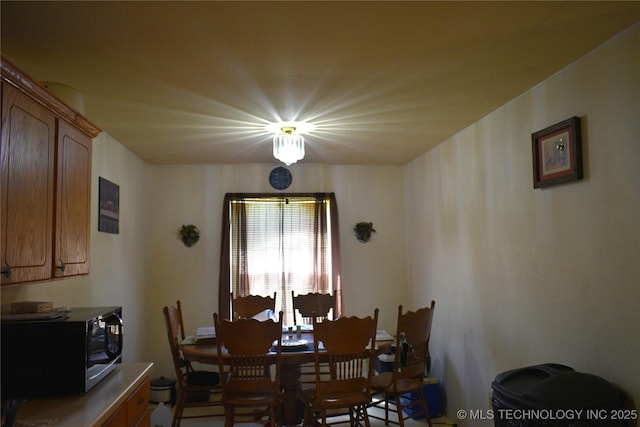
(308, 306)
(250, 305)
(181, 327)
(312, 305)
(402, 387)
(194, 388)
(347, 346)
(249, 349)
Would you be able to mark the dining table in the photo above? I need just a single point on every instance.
(297, 350)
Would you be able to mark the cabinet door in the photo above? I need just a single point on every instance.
(27, 150)
(119, 419)
(138, 405)
(73, 206)
(145, 421)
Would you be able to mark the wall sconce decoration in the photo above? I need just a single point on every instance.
(363, 231)
(189, 234)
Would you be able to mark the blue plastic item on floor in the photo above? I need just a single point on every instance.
(431, 392)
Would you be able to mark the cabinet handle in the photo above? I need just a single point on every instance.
(140, 400)
(61, 267)
(6, 271)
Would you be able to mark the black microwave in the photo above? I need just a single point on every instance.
(60, 356)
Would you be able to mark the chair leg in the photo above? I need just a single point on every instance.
(273, 421)
(177, 413)
(353, 420)
(229, 416)
(359, 414)
(399, 409)
(365, 414)
(309, 416)
(425, 407)
(386, 409)
(280, 415)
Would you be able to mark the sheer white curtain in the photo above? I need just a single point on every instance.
(279, 244)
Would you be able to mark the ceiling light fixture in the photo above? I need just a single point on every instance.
(288, 145)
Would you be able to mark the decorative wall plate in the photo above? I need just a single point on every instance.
(363, 231)
(189, 234)
(280, 178)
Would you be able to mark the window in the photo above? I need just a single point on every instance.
(279, 243)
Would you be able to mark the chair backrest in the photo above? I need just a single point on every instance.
(347, 346)
(312, 305)
(250, 305)
(179, 309)
(249, 352)
(412, 342)
(173, 320)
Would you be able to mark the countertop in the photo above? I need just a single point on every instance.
(87, 410)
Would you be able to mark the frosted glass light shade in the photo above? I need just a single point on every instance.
(288, 146)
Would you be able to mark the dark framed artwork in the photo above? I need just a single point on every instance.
(557, 153)
(108, 207)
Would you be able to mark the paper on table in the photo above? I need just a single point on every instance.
(382, 335)
(206, 332)
(303, 328)
(189, 340)
(205, 335)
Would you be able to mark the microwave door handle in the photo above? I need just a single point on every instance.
(106, 367)
(116, 322)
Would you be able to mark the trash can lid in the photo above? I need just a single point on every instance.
(162, 382)
(554, 386)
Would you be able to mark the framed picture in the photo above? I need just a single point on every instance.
(557, 154)
(108, 207)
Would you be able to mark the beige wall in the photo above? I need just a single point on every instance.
(373, 274)
(523, 276)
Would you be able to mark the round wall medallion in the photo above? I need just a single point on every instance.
(280, 178)
(189, 234)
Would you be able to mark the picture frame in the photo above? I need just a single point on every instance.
(557, 153)
(108, 206)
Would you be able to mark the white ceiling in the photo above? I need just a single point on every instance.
(383, 82)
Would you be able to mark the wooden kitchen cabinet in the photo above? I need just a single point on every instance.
(28, 153)
(138, 411)
(121, 399)
(73, 202)
(45, 150)
(119, 419)
(134, 412)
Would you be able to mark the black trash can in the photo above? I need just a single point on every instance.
(553, 395)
